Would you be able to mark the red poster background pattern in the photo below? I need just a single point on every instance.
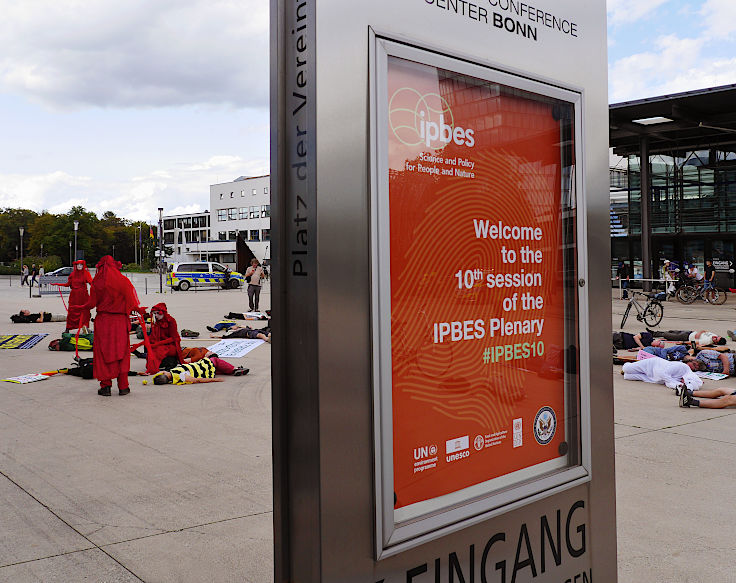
(506, 169)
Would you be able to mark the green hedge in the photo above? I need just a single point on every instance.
(49, 262)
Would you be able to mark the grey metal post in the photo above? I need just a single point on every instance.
(160, 250)
(20, 230)
(646, 228)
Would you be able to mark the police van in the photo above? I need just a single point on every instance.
(182, 276)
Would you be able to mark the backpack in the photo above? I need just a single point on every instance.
(82, 369)
(70, 343)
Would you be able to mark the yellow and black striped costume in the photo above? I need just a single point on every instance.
(202, 369)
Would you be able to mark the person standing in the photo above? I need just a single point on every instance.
(115, 298)
(255, 272)
(622, 274)
(710, 275)
(78, 280)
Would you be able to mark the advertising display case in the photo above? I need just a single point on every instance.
(439, 180)
(477, 352)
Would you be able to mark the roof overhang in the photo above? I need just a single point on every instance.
(681, 122)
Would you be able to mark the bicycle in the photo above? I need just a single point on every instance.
(687, 294)
(651, 313)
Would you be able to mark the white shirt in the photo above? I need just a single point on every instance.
(665, 372)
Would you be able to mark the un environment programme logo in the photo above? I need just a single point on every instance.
(425, 119)
(545, 425)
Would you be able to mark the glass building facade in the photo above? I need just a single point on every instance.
(692, 209)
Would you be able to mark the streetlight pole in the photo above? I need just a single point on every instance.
(113, 250)
(41, 251)
(160, 250)
(76, 228)
(70, 253)
(20, 230)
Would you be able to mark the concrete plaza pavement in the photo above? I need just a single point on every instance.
(166, 484)
(674, 468)
(173, 484)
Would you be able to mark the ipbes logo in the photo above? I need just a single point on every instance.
(425, 119)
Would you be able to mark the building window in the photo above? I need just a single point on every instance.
(179, 239)
(265, 190)
(242, 193)
(266, 233)
(232, 235)
(187, 236)
(232, 214)
(169, 224)
(254, 235)
(221, 214)
(187, 222)
(255, 191)
(222, 235)
(169, 238)
(244, 212)
(195, 222)
(255, 212)
(266, 211)
(204, 235)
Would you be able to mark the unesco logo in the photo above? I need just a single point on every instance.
(545, 425)
(425, 119)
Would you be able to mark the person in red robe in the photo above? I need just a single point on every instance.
(115, 298)
(78, 280)
(164, 338)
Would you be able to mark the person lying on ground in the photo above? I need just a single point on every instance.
(249, 315)
(720, 362)
(246, 332)
(197, 353)
(26, 317)
(634, 342)
(676, 352)
(700, 337)
(708, 399)
(221, 325)
(202, 371)
(672, 374)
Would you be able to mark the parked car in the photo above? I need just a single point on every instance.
(61, 272)
(184, 275)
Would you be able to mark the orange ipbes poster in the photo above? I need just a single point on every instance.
(477, 280)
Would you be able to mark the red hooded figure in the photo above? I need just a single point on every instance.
(78, 280)
(164, 337)
(115, 298)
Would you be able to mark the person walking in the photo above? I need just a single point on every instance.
(622, 274)
(115, 298)
(34, 275)
(255, 273)
(24, 273)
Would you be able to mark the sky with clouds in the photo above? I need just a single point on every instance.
(127, 106)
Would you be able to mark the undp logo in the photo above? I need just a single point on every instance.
(426, 119)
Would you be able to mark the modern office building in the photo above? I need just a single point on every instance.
(236, 227)
(681, 204)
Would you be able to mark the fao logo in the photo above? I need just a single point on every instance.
(478, 442)
(545, 425)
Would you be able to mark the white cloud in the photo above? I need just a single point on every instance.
(673, 66)
(719, 18)
(184, 188)
(77, 53)
(628, 11)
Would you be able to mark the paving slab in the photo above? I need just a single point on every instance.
(93, 566)
(29, 531)
(238, 551)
